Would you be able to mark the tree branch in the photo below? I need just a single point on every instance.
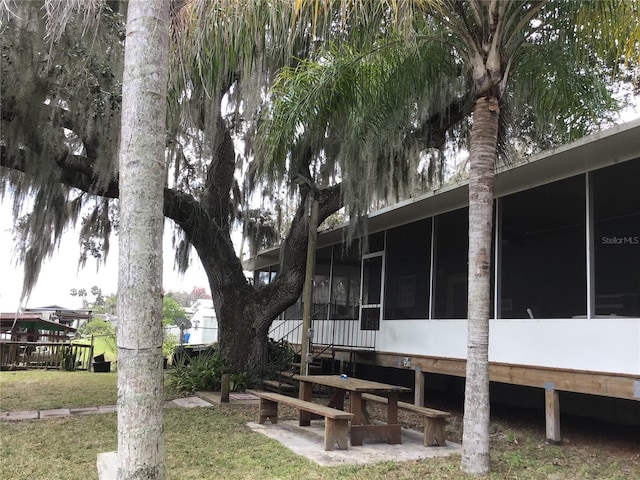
(287, 286)
(220, 174)
(432, 133)
(74, 171)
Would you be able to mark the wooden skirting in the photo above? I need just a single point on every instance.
(593, 383)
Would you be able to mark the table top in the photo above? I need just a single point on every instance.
(351, 384)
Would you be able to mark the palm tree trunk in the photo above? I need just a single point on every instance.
(141, 451)
(484, 133)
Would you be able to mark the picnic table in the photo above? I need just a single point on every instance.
(342, 384)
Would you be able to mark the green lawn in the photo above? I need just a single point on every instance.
(37, 389)
(215, 443)
(102, 344)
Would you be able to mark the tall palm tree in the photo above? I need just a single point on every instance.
(141, 452)
(497, 62)
(141, 172)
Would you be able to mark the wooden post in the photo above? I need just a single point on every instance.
(90, 365)
(268, 409)
(307, 294)
(552, 413)
(224, 393)
(306, 393)
(418, 391)
(434, 433)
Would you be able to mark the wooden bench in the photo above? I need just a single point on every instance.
(434, 420)
(336, 426)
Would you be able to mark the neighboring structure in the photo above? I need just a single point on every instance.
(33, 327)
(38, 337)
(63, 315)
(203, 321)
(566, 280)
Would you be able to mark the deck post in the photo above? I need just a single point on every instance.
(224, 389)
(90, 361)
(307, 294)
(418, 390)
(552, 413)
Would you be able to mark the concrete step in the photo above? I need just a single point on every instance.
(278, 386)
(314, 368)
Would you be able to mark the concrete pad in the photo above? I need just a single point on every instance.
(55, 412)
(242, 396)
(84, 410)
(191, 402)
(107, 408)
(107, 464)
(309, 443)
(23, 415)
(235, 398)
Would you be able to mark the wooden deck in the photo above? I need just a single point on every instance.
(16, 355)
(594, 383)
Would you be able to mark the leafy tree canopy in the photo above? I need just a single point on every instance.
(171, 310)
(97, 326)
(186, 299)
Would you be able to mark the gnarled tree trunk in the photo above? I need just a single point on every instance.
(244, 311)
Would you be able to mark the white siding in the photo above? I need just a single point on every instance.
(601, 345)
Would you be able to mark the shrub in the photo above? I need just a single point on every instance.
(69, 355)
(104, 334)
(184, 353)
(202, 372)
(241, 381)
(97, 326)
(169, 343)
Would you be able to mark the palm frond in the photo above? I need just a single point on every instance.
(366, 115)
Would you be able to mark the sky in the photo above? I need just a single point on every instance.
(60, 273)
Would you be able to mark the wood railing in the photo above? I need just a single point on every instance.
(55, 355)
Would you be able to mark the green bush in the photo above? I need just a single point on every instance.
(97, 326)
(69, 355)
(241, 381)
(202, 369)
(202, 372)
(169, 343)
(104, 335)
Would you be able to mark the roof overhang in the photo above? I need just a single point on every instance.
(608, 147)
(31, 321)
(61, 312)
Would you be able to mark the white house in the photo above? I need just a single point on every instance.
(204, 324)
(566, 280)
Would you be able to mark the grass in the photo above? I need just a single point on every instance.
(38, 389)
(215, 443)
(102, 344)
(44, 389)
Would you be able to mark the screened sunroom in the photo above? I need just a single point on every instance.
(565, 306)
